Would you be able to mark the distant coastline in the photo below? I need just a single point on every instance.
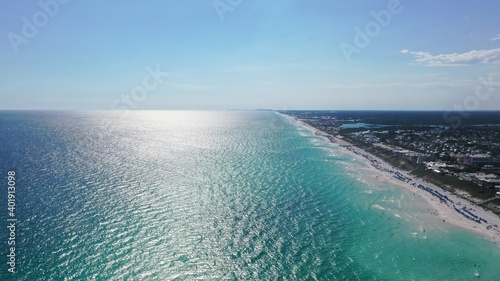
(464, 160)
(450, 207)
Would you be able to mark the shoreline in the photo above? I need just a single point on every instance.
(450, 208)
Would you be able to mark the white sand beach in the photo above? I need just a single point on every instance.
(449, 207)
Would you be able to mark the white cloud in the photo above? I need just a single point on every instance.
(188, 87)
(497, 37)
(491, 56)
(423, 84)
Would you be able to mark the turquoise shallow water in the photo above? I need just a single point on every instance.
(227, 195)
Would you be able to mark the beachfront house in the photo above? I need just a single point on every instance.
(487, 180)
(477, 159)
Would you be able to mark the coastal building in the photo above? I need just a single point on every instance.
(422, 158)
(418, 158)
(487, 180)
(477, 159)
(370, 138)
(459, 157)
(439, 168)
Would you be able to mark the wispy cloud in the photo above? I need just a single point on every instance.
(497, 37)
(491, 56)
(423, 84)
(188, 87)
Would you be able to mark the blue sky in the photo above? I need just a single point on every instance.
(246, 54)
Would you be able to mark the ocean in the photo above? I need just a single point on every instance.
(212, 195)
